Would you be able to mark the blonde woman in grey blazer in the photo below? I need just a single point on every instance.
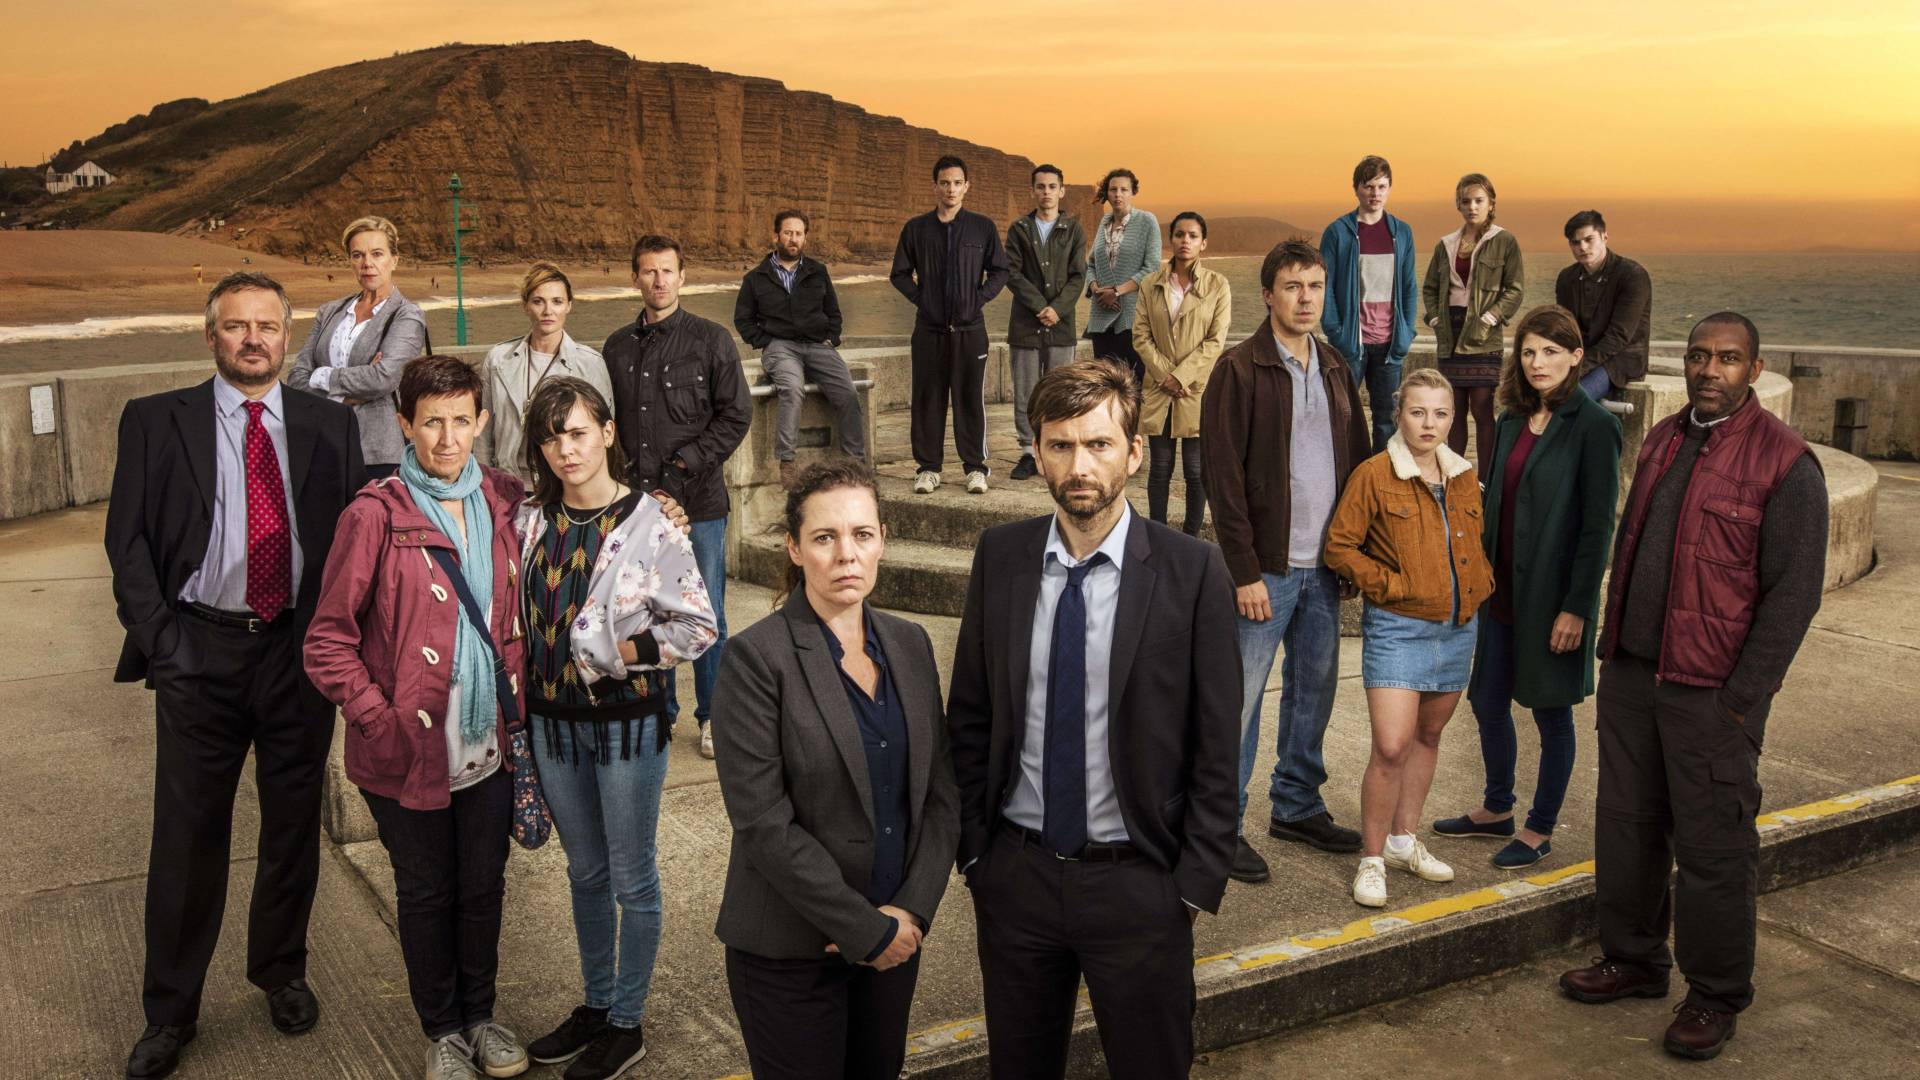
(360, 344)
(834, 769)
(514, 369)
(1126, 248)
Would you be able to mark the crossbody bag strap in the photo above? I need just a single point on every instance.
(475, 619)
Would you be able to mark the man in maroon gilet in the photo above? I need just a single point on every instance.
(1717, 572)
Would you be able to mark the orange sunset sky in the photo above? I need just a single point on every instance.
(1779, 124)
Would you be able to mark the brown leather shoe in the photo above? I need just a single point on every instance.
(789, 472)
(1607, 981)
(1698, 1032)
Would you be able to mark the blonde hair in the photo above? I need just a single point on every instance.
(543, 273)
(1420, 379)
(371, 224)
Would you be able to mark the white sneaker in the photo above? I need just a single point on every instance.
(450, 1058)
(924, 483)
(976, 483)
(1370, 884)
(706, 743)
(497, 1051)
(1420, 863)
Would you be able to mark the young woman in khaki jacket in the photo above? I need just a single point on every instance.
(1407, 534)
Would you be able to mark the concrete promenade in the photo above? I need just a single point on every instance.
(77, 806)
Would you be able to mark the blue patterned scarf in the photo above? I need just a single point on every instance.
(472, 659)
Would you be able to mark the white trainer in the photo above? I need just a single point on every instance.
(1370, 884)
(497, 1051)
(450, 1058)
(706, 742)
(1420, 863)
(976, 483)
(924, 483)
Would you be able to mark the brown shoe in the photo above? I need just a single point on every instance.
(1698, 1032)
(1607, 981)
(789, 472)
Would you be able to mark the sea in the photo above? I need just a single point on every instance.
(1854, 300)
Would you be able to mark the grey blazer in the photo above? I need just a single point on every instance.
(373, 370)
(793, 775)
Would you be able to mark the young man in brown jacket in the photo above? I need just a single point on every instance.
(1280, 430)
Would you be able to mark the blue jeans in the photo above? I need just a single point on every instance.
(606, 809)
(1306, 619)
(710, 554)
(1597, 383)
(1491, 699)
(1380, 374)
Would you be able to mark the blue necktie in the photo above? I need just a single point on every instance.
(1066, 749)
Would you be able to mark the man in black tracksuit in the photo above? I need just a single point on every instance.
(949, 262)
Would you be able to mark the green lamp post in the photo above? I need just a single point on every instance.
(459, 260)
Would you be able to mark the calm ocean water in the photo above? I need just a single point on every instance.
(1864, 299)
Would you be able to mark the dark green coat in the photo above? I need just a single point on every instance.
(1042, 276)
(1562, 529)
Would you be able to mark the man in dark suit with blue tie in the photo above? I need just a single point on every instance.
(1095, 723)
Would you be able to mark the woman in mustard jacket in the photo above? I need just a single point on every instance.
(1407, 534)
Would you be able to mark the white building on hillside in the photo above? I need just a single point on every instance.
(86, 176)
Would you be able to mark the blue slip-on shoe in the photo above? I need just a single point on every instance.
(1466, 826)
(1518, 854)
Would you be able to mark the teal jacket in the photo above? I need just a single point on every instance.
(1340, 246)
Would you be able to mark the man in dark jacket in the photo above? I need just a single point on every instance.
(1717, 573)
(787, 309)
(682, 406)
(1280, 431)
(1611, 297)
(1046, 269)
(949, 263)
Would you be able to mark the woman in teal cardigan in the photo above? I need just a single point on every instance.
(1550, 493)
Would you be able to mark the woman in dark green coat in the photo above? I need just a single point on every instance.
(1550, 492)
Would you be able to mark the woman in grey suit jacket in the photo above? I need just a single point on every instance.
(359, 344)
(834, 768)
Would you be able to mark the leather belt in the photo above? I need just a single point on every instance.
(1095, 851)
(237, 620)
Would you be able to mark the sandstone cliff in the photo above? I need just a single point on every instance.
(564, 149)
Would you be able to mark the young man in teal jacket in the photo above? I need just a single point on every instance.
(1371, 296)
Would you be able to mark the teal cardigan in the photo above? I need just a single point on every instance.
(1137, 256)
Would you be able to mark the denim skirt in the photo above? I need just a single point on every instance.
(1415, 654)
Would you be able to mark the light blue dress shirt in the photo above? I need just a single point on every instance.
(1309, 458)
(1026, 806)
(221, 580)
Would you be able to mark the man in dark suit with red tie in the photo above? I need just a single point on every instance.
(1095, 724)
(224, 501)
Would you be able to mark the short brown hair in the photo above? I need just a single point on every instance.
(832, 474)
(547, 413)
(1555, 323)
(439, 376)
(780, 218)
(1297, 251)
(249, 279)
(654, 242)
(1371, 166)
(1078, 388)
(543, 273)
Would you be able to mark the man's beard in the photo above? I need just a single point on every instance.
(233, 373)
(790, 252)
(1086, 511)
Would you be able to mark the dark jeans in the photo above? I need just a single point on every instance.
(1679, 782)
(449, 876)
(1597, 383)
(1380, 374)
(1117, 345)
(821, 1019)
(1492, 698)
(709, 539)
(220, 692)
(1160, 450)
(1043, 923)
(949, 364)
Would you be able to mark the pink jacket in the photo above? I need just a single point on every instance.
(381, 642)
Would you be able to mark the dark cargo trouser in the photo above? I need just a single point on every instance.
(1678, 783)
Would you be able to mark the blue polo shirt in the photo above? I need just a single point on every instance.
(883, 734)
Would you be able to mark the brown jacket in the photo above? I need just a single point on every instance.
(1246, 428)
(1388, 538)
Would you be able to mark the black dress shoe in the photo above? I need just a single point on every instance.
(158, 1051)
(1317, 831)
(1247, 866)
(293, 1007)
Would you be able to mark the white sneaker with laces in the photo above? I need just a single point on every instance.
(497, 1051)
(924, 483)
(1420, 863)
(976, 483)
(1370, 884)
(706, 742)
(450, 1058)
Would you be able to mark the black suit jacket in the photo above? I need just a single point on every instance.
(161, 513)
(1174, 701)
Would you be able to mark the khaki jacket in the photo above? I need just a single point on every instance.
(1388, 538)
(1496, 282)
(1184, 347)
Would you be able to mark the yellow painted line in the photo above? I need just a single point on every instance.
(1223, 965)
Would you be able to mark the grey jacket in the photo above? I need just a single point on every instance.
(506, 375)
(373, 368)
(793, 774)
(1137, 256)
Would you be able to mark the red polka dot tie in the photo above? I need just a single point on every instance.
(269, 537)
